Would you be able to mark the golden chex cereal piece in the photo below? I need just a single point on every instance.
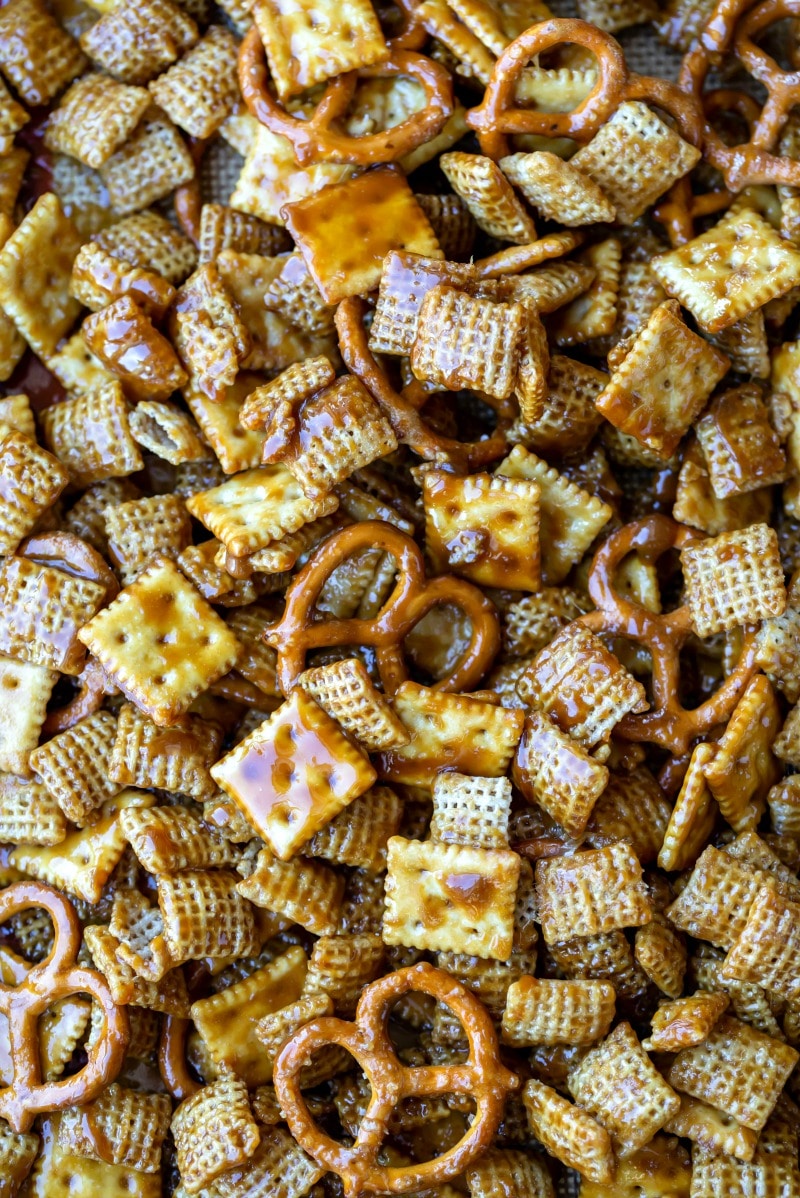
(591, 892)
(94, 118)
(202, 89)
(29, 814)
(483, 527)
(140, 529)
(341, 966)
(741, 449)
(57, 1169)
(778, 647)
(37, 56)
(766, 950)
(713, 905)
(737, 1069)
(634, 158)
(465, 342)
(74, 767)
(257, 660)
(743, 768)
(99, 277)
(125, 340)
(606, 957)
(169, 839)
(472, 59)
(749, 1002)
(294, 294)
(452, 223)
(548, 287)
(223, 228)
(509, 1171)
(693, 816)
(533, 621)
(732, 579)
(207, 329)
(488, 980)
(684, 1022)
(85, 859)
(450, 897)
(169, 433)
(488, 196)
(16, 414)
(570, 518)
(713, 1130)
(569, 419)
(151, 163)
(293, 774)
(470, 811)
(205, 916)
(569, 1133)
(138, 41)
(663, 382)
(161, 643)
(557, 189)
(151, 242)
(358, 835)
(661, 953)
(697, 505)
(86, 518)
(772, 1171)
(252, 509)
(25, 691)
(92, 437)
(555, 772)
(17, 1154)
(449, 732)
(35, 268)
(281, 396)
(405, 281)
(617, 1083)
(345, 232)
(278, 1167)
(592, 314)
(168, 995)
(346, 692)
(787, 743)
(632, 808)
(275, 1029)
(214, 1130)
(783, 801)
(138, 930)
(730, 271)
(550, 1011)
(304, 891)
(228, 1021)
(42, 611)
(121, 1127)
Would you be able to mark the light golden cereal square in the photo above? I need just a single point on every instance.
(35, 268)
(125, 340)
(86, 518)
(16, 415)
(214, 1130)
(634, 158)
(150, 242)
(223, 228)
(745, 343)
(633, 808)
(58, 1169)
(552, 1011)
(100, 277)
(32, 481)
(307, 43)
(37, 55)
(570, 517)
(341, 966)
(557, 189)
(607, 957)
(591, 892)
(95, 117)
(74, 767)
(488, 196)
(140, 529)
(465, 342)
(345, 232)
(138, 929)
(168, 995)
(661, 953)
(358, 835)
(693, 815)
(346, 692)
(78, 370)
(228, 1020)
(569, 418)
(663, 382)
(280, 398)
(617, 1083)
(449, 732)
(175, 759)
(302, 890)
(91, 435)
(295, 296)
(787, 743)
(170, 839)
(484, 527)
(778, 648)
(555, 772)
(208, 332)
(161, 643)
(29, 814)
(684, 1022)
(549, 287)
(730, 271)
(569, 1133)
(735, 578)
(151, 164)
(613, 15)
(769, 1172)
(136, 42)
(532, 622)
(743, 768)
(783, 801)
(131, 1125)
(508, 1171)
(737, 1069)
(405, 281)
(279, 1167)
(42, 610)
(202, 89)
(293, 774)
(205, 916)
(741, 449)
(168, 432)
(83, 862)
(712, 1130)
(236, 448)
(713, 905)
(766, 950)
(257, 660)
(470, 811)
(256, 507)
(450, 897)
(275, 1029)
(271, 178)
(594, 312)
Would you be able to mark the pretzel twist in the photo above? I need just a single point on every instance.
(482, 1076)
(668, 724)
(57, 977)
(298, 631)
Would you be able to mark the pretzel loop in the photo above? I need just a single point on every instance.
(668, 724)
(44, 984)
(316, 140)
(298, 631)
(367, 1040)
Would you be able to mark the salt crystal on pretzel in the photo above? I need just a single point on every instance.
(591, 892)
(569, 1133)
(236, 448)
(176, 759)
(94, 118)
(549, 1011)
(37, 55)
(728, 272)
(684, 1022)
(32, 481)
(737, 1069)
(201, 90)
(551, 769)
(113, 333)
(741, 449)
(271, 178)
(214, 1131)
(151, 164)
(137, 43)
(302, 890)
(140, 529)
(121, 1127)
(634, 158)
(632, 807)
(74, 767)
(509, 1170)
(345, 233)
(557, 189)
(661, 953)
(488, 196)
(29, 813)
(733, 579)
(43, 610)
(149, 241)
(223, 228)
(345, 691)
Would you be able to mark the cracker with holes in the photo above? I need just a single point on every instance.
(733, 579)
(25, 691)
(304, 891)
(151, 164)
(161, 643)
(91, 435)
(634, 157)
(42, 610)
(553, 1011)
(743, 768)
(214, 1131)
(271, 178)
(346, 692)
(95, 117)
(37, 56)
(569, 1133)
(557, 189)
(663, 382)
(137, 42)
(712, 1130)
(219, 421)
(74, 767)
(591, 893)
(32, 481)
(741, 449)
(293, 774)
(488, 196)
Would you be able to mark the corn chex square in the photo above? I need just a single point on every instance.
(735, 578)
(570, 1134)
(591, 892)
(488, 195)
(42, 609)
(466, 342)
(554, 771)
